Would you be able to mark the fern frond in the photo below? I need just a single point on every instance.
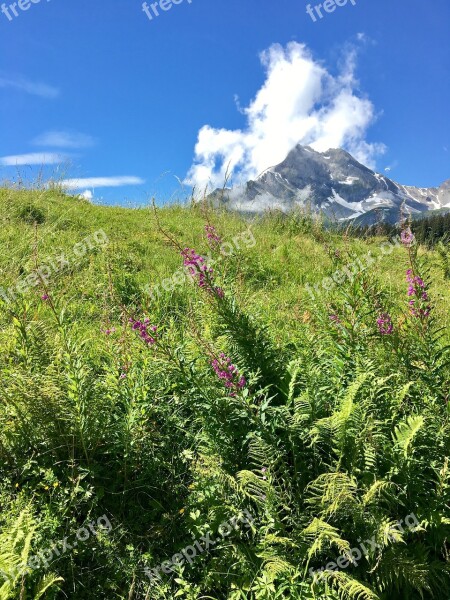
(47, 582)
(331, 492)
(321, 535)
(406, 432)
(349, 588)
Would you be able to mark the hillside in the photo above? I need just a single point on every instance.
(287, 255)
(271, 392)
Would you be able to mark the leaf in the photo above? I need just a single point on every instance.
(407, 431)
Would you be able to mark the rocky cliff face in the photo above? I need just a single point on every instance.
(335, 184)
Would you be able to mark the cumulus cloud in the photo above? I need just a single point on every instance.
(37, 158)
(87, 195)
(64, 139)
(299, 102)
(93, 182)
(29, 87)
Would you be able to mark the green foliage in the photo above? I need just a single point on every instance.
(15, 550)
(30, 214)
(338, 439)
(443, 249)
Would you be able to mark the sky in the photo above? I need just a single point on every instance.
(121, 104)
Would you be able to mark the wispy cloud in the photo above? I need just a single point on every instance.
(64, 139)
(37, 158)
(35, 88)
(98, 182)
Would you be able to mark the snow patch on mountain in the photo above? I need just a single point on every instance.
(335, 184)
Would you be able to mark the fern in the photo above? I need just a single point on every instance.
(406, 432)
(15, 548)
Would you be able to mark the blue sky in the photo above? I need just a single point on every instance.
(110, 96)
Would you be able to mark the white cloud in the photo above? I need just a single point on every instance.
(299, 102)
(87, 195)
(30, 87)
(37, 158)
(93, 182)
(64, 139)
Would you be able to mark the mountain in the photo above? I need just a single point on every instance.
(337, 185)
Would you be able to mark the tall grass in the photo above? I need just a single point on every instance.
(326, 420)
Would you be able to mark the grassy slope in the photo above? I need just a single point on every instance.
(272, 274)
(135, 443)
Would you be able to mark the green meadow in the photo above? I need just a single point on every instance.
(164, 371)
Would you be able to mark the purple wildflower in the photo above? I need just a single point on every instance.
(407, 237)
(45, 297)
(143, 327)
(228, 373)
(335, 318)
(417, 288)
(214, 239)
(385, 325)
(199, 270)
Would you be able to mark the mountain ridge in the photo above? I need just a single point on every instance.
(335, 184)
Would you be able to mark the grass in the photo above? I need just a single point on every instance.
(337, 434)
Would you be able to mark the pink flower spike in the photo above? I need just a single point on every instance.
(407, 237)
(385, 325)
(228, 373)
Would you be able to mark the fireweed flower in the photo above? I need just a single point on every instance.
(228, 373)
(407, 237)
(200, 271)
(385, 325)
(214, 239)
(417, 288)
(146, 331)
